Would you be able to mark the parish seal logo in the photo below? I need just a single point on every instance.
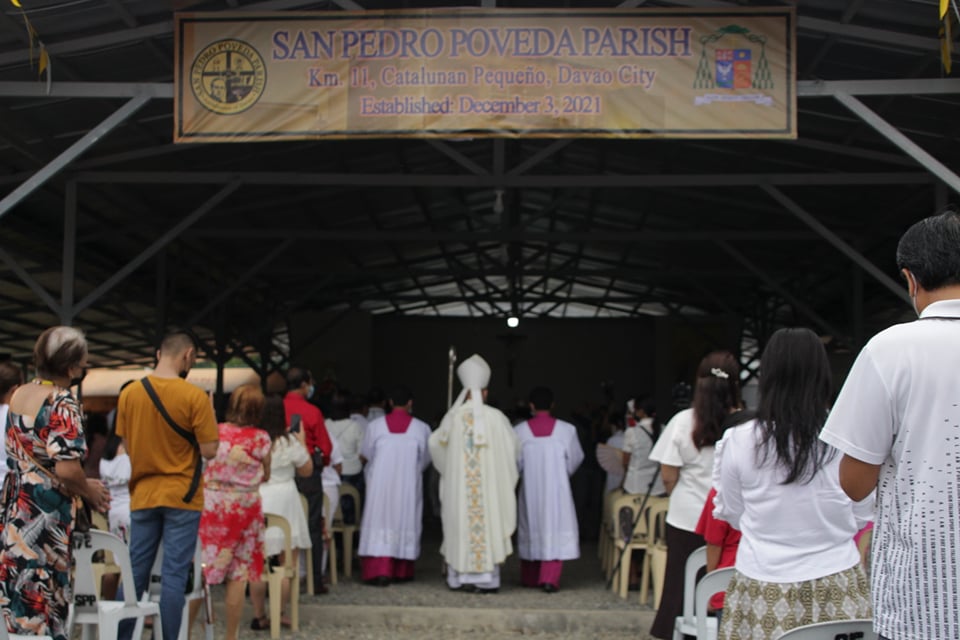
(228, 77)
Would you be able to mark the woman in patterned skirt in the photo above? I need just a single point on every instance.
(45, 443)
(231, 527)
(780, 486)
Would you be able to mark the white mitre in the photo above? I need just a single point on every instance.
(474, 375)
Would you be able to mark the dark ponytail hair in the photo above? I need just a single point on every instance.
(273, 418)
(112, 446)
(795, 388)
(716, 394)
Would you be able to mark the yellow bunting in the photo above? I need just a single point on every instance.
(43, 61)
(945, 33)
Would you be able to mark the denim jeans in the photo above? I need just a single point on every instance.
(178, 530)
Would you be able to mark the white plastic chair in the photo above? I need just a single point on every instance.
(87, 609)
(686, 624)
(347, 531)
(859, 629)
(274, 576)
(656, 537)
(196, 593)
(331, 546)
(709, 585)
(307, 554)
(657, 552)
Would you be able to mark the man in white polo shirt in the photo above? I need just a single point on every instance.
(897, 421)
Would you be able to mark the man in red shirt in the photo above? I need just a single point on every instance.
(310, 419)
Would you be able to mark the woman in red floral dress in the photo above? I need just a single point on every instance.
(231, 527)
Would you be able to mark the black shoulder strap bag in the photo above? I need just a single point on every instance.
(183, 433)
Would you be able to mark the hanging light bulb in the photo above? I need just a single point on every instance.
(498, 202)
(513, 322)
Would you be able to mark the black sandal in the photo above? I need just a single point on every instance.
(260, 624)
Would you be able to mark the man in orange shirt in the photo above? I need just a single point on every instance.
(167, 425)
(310, 419)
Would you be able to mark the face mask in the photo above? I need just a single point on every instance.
(310, 391)
(75, 381)
(913, 298)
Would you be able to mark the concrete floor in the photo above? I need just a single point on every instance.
(426, 610)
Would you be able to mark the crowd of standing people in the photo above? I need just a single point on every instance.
(779, 492)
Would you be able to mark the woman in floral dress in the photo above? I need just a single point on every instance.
(45, 444)
(231, 527)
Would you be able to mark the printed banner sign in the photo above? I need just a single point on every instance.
(479, 72)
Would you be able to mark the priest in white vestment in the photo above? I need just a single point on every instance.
(548, 534)
(395, 450)
(475, 451)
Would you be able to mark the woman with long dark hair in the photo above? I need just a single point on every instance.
(685, 452)
(779, 485)
(288, 459)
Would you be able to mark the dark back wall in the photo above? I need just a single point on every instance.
(572, 357)
(587, 362)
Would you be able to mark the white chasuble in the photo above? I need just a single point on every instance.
(478, 478)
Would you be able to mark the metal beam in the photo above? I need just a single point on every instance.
(847, 16)
(798, 304)
(74, 150)
(836, 241)
(69, 253)
(887, 39)
(457, 157)
(853, 152)
(100, 41)
(87, 90)
(900, 87)
(881, 38)
(597, 236)
(164, 90)
(602, 181)
(161, 242)
(29, 281)
(539, 157)
(909, 147)
(236, 283)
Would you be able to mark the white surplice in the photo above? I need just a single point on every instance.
(547, 517)
(393, 512)
(478, 476)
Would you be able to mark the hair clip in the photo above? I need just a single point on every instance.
(719, 373)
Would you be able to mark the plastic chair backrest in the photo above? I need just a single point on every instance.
(608, 499)
(653, 507)
(708, 585)
(623, 515)
(695, 561)
(156, 573)
(278, 521)
(85, 589)
(859, 629)
(657, 515)
(347, 489)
